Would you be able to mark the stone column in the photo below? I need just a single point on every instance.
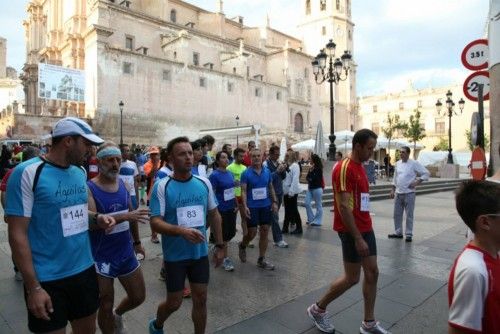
(494, 63)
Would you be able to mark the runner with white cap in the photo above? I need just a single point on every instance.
(48, 221)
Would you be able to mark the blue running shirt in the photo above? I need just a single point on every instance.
(223, 185)
(163, 172)
(128, 172)
(258, 195)
(115, 245)
(58, 212)
(184, 203)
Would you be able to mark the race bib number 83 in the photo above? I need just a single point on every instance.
(190, 216)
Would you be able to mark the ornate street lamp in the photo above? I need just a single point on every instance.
(121, 104)
(328, 68)
(450, 106)
(237, 124)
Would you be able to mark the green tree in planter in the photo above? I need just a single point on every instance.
(442, 145)
(393, 124)
(469, 141)
(413, 130)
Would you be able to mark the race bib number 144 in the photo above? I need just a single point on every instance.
(74, 219)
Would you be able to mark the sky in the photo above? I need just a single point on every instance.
(395, 41)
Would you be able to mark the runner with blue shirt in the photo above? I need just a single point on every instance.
(166, 168)
(129, 173)
(259, 201)
(198, 168)
(48, 221)
(114, 251)
(164, 171)
(222, 182)
(180, 205)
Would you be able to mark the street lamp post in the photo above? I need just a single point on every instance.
(121, 104)
(450, 106)
(237, 136)
(337, 70)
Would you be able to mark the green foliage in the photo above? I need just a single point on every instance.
(442, 145)
(393, 124)
(413, 131)
(471, 147)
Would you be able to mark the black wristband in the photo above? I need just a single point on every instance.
(137, 243)
(219, 246)
(93, 219)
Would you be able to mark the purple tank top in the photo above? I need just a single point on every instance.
(117, 244)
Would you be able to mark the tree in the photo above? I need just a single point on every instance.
(442, 145)
(413, 131)
(393, 124)
(469, 141)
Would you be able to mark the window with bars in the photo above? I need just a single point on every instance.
(322, 5)
(128, 68)
(298, 125)
(440, 127)
(167, 76)
(129, 42)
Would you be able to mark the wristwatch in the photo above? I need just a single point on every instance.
(219, 246)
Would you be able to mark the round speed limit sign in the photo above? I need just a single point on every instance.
(471, 85)
(475, 55)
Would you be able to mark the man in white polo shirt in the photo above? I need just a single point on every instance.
(408, 174)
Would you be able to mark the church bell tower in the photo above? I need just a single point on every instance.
(322, 20)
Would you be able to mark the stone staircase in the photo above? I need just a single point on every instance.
(382, 191)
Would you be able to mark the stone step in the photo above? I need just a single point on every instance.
(385, 186)
(382, 192)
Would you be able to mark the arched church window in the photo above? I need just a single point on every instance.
(298, 125)
(173, 15)
(308, 7)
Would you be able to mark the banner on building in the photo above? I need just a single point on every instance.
(60, 83)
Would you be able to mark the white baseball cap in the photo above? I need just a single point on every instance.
(71, 126)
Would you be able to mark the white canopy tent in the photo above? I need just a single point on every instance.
(344, 143)
(304, 145)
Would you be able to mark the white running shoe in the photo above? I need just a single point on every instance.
(281, 244)
(228, 264)
(119, 326)
(320, 320)
(375, 328)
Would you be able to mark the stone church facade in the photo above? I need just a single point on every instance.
(180, 69)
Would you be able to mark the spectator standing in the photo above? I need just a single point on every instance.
(291, 190)
(315, 185)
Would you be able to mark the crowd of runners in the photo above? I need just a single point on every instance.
(74, 209)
